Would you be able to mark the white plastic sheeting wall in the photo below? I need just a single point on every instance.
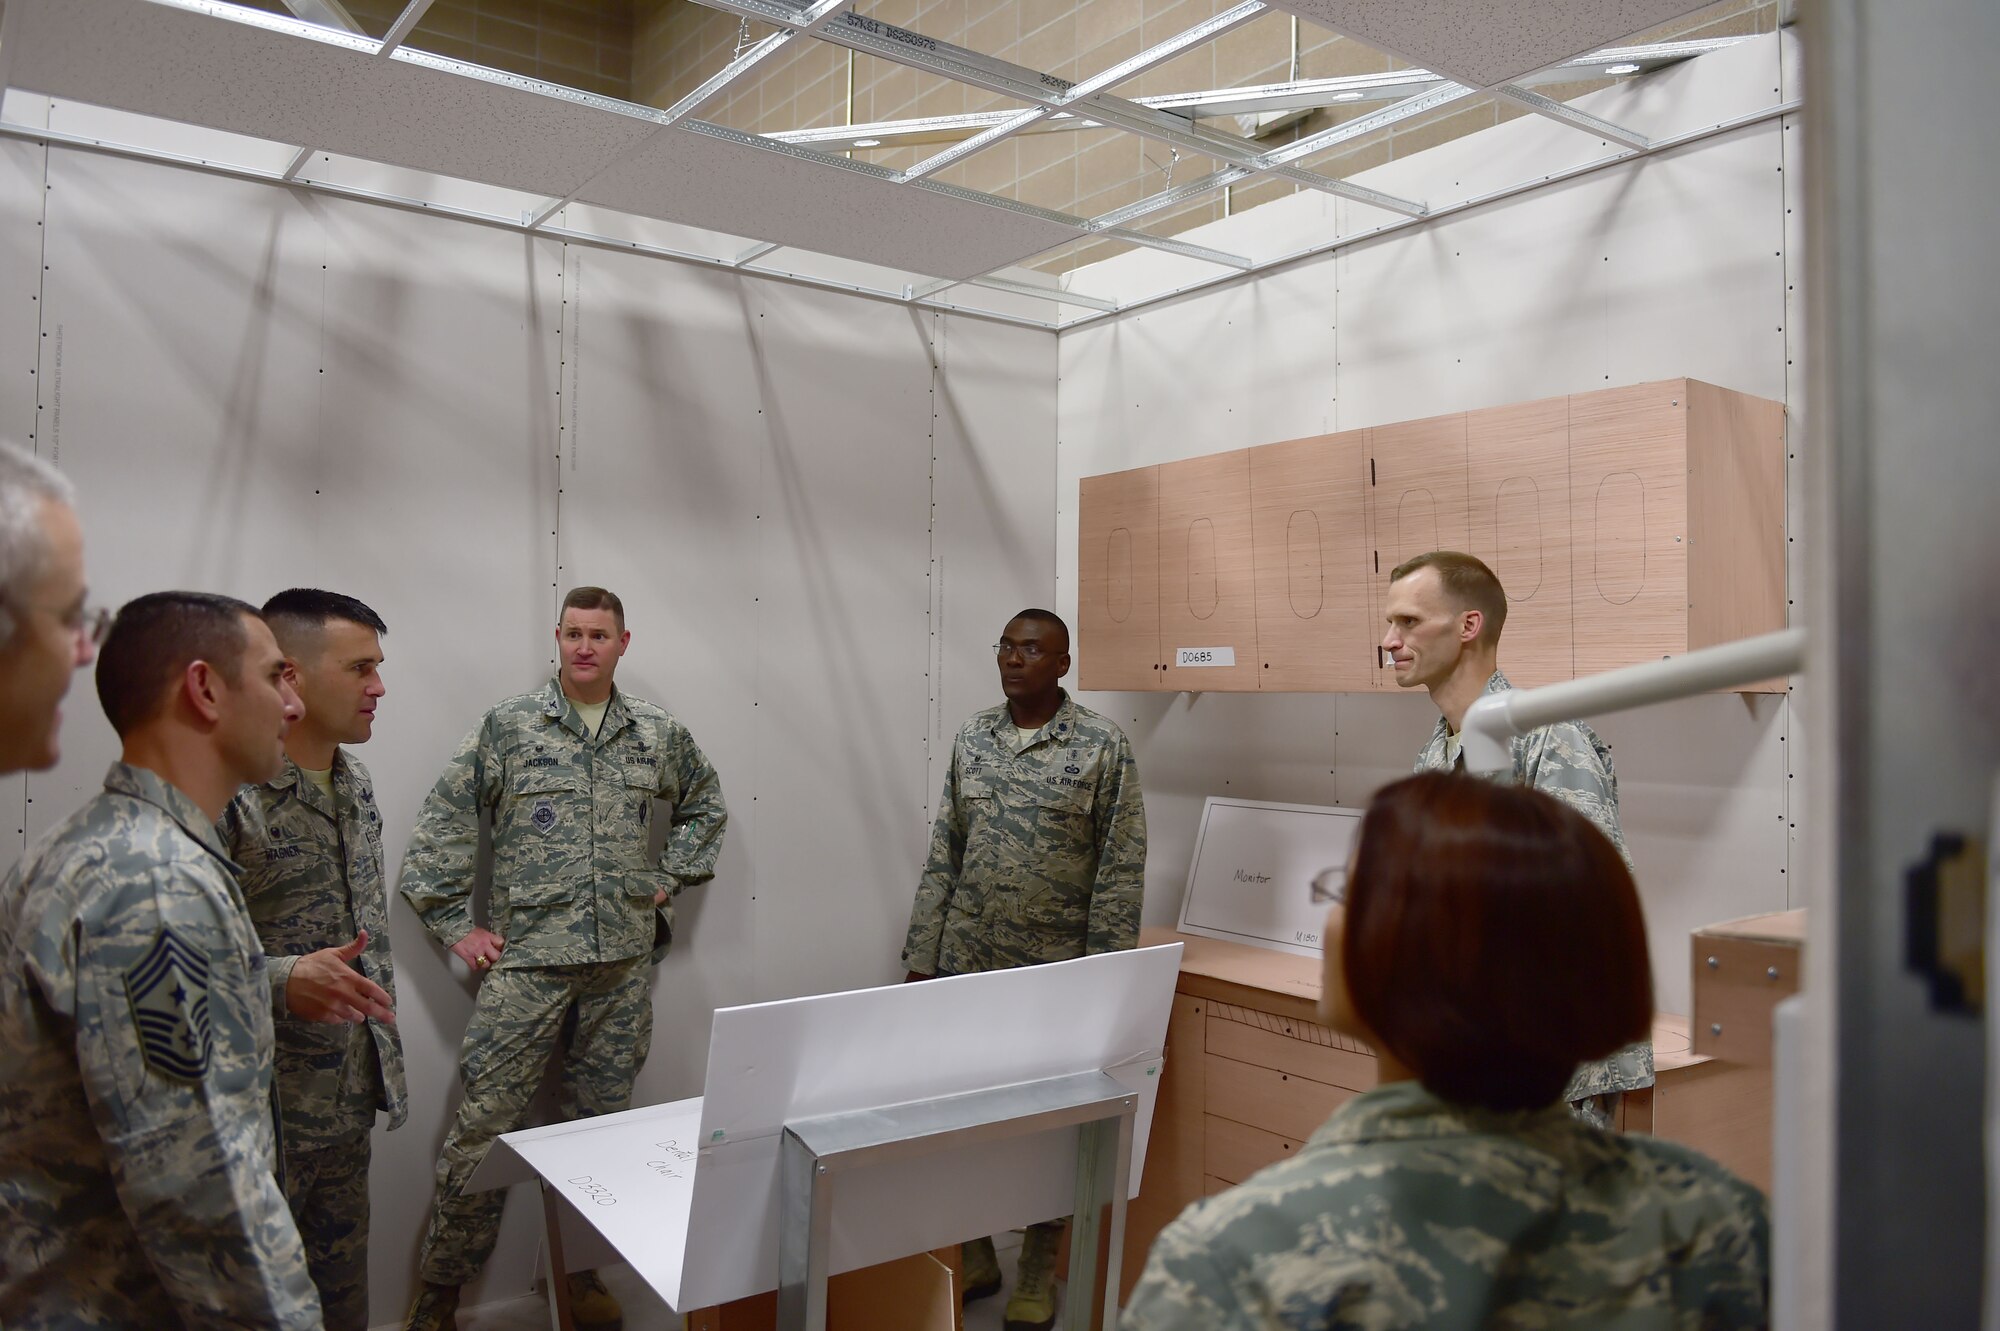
(1678, 264)
(255, 388)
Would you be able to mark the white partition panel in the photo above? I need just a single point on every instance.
(1675, 264)
(843, 707)
(434, 484)
(662, 485)
(182, 372)
(261, 387)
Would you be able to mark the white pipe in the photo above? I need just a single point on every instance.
(1496, 718)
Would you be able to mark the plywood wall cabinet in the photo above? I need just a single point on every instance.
(1626, 525)
(1308, 508)
(1518, 510)
(1208, 590)
(1118, 580)
(1417, 503)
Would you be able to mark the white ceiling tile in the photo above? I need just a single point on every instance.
(275, 80)
(1482, 43)
(184, 65)
(700, 180)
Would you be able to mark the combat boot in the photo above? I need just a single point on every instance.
(591, 1305)
(981, 1278)
(1033, 1304)
(435, 1308)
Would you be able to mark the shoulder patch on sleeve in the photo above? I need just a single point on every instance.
(168, 991)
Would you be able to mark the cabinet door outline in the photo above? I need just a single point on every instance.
(1292, 562)
(1606, 537)
(1118, 579)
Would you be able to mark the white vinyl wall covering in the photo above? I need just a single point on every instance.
(698, 179)
(1494, 41)
(300, 85)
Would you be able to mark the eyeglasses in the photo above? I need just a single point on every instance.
(1030, 651)
(91, 623)
(1329, 886)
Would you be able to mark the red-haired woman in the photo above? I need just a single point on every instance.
(1484, 941)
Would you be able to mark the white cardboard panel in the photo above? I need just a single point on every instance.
(249, 79)
(774, 1063)
(662, 484)
(702, 181)
(845, 396)
(1253, 868)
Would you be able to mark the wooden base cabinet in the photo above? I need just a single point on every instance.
(1626, 525)
(1250, 1074)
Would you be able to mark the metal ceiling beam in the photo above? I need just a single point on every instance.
(1206, 31)
(754, 253)
(1564, 114)
(1306, 94)
(1306, 147)
(874, 37)
(1421, 104)
(993, 282)
(809, 19)
(406, 23)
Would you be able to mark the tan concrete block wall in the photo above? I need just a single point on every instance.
(584, 44)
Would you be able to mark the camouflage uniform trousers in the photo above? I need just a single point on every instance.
(598, 1017)
(326, 1181)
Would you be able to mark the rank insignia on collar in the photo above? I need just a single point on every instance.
(167, 989)
(544, 816)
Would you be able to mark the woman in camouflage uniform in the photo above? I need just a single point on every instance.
(1485, 940)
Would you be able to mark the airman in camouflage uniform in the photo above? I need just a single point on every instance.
(582, 913)
(1445, 614)
(136, 1145)
(1038, 854)
(312, 874)
(1404, 1210)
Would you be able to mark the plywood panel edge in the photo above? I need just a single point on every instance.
(1736, 517)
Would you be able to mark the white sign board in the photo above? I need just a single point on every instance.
(688, 1192)
(1253, 865)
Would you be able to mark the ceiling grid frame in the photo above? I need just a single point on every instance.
(1082, 103)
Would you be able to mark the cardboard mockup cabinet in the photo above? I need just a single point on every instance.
(1626, 525)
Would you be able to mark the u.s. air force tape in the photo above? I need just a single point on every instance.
(168, 991)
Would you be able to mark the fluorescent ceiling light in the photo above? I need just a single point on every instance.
(876, 143)
(1347, 97)
(1621, 69)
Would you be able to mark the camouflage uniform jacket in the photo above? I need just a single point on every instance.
(1566, 760)
(1039, 850)
(1406, 1211)
(572, 816)
(136, 1151)
(312, 874)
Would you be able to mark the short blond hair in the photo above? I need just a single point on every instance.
(1469, 585)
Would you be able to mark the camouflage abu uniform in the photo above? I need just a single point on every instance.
(136, 1151)
(1039, 850)
(572, 896)
(1566, 760)
(1406, 1211)
(312, 875)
